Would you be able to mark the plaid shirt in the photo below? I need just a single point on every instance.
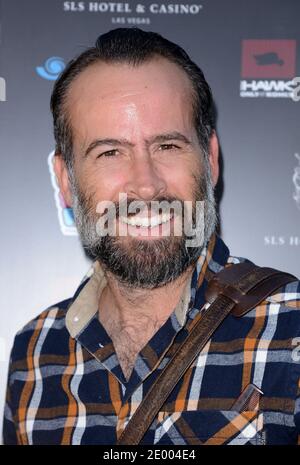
(66, 386)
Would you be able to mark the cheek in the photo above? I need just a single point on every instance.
(181, 179)
(103, 184)
(181, 185)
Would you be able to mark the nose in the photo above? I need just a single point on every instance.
(145, 182)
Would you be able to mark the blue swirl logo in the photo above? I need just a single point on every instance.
(51, 69)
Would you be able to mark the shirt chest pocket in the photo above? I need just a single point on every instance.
(209, 427)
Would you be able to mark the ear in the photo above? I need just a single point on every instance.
(62, 176)
(214, 157)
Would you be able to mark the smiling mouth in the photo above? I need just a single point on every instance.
(150, 222)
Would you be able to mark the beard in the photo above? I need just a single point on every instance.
(139, 263)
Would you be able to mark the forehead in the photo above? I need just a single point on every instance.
(112, 96)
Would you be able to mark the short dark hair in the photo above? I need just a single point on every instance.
(133, 46)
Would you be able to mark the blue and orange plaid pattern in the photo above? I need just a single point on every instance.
(65, 384)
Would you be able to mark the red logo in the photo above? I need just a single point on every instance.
(269, 59)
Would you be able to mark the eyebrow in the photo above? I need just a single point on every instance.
(160, 138)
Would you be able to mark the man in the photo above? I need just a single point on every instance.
(134, 116)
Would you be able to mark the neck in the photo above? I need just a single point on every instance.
(123, 303)
(131, 316)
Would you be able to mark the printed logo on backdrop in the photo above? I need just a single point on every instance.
(133, 13)
(64, 213)
(2, 90)
(296, 181)
(268, 69)
(51, 68)
(289, 240)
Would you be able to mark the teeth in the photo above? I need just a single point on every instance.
(147, 222)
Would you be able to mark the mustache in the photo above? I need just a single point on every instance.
(131, 206)
(141, 205)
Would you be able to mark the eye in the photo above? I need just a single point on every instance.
(168, 147)
(108, 153)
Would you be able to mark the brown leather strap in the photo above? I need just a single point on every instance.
(257, 284)
(237, 289)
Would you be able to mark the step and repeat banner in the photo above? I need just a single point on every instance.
(249, 51)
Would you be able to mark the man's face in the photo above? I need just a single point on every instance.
(133, 133)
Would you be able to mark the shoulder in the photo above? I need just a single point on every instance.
(46, 329)
(45, 336)
(283, 306)
(286, 297)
